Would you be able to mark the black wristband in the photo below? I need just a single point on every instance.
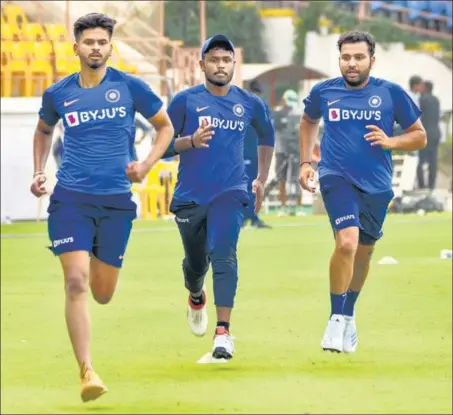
(305, 162)
(191, 141)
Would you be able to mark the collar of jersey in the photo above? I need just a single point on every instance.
(217, 96)
(100, 83)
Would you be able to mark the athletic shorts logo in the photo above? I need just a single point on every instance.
(343, 218)
(238, 110)
(58, 242)
(72, 119)
(112, 95)
(182, 220)
(334, 114)
(375, 101)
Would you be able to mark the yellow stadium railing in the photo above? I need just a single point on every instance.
(156, 191)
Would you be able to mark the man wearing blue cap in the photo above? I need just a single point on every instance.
(210, 197)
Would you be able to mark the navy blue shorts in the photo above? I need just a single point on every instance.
(98, 224)
(347, 205)
(216, 226)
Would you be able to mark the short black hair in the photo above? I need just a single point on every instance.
(428, 86)
(92, 21)
(357, 36)
(415, 80)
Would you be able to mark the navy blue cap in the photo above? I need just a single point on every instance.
(214, 40)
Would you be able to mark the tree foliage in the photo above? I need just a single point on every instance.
(241, 23)
(382, 29)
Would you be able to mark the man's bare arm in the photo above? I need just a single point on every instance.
(308, 134)
(42, 143)
(165, 131)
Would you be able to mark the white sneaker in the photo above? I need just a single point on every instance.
(333, 335)
(198, 317)
(223, 344)
(350, 338)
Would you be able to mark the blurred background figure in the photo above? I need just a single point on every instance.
(430, 106)
(415, 88)
(286, 120)
(251, 163)
(58, 145)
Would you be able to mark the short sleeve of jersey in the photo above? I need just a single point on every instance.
(47, 111)
(177, 112)
(405, 109)
(262, 122)
(146, 102)
(313, 103)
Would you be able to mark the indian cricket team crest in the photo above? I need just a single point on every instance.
(112, 95)
(238, 110)
(375, 101)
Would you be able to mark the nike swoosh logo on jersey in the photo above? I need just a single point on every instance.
(202, 109)
(68, 103)
(329, 103)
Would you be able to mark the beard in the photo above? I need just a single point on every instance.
(218, 82)
(96, 64)
(361, 79)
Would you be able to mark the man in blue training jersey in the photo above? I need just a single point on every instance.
(355, 171)
(211, 193)
(251, 163)
(91, 211)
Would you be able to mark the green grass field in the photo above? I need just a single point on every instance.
(145, 353)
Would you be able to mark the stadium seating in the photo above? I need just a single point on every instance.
(430, 14)
(65, 60)
(29, 50)
(30, 31)
(14, 15)
(56, 32)
(9, 30)
(415, 9)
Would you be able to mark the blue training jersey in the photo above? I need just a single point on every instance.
(251, 142)
(99, 129)
(204, 173)
(346, 113)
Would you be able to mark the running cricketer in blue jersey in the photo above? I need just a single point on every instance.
(211, 193)
(355, 171)
(91, 211)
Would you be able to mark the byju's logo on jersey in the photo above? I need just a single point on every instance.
(336, 114)
(73, 119)
(206, 119)
(222, 124)
(112, 95)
